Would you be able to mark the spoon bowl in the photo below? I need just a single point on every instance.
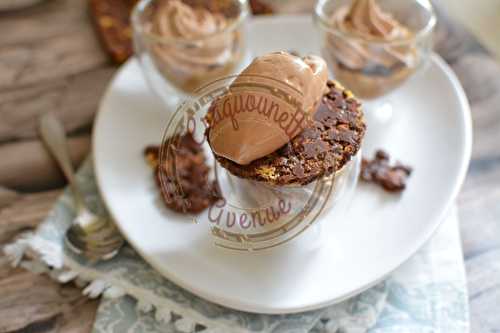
(92, 236)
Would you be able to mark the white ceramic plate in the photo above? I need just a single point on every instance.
(431, 131)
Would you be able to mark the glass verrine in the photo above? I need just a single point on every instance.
(182, 45)
(275, 215)
(373, 66)
(258, 213)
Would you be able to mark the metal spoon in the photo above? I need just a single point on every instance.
(94, 237)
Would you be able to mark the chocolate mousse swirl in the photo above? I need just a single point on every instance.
(247, 124)
(194, 43)
(367, 21)
(175, 19)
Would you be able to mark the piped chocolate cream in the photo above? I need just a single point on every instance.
(252, 119)
(195, 48)
(367, 20)
(370, 69)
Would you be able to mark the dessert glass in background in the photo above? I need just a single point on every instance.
(182, 45)
(374, 46)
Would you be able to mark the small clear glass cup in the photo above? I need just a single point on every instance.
(175, 67)
(252, 215)
(299, 210)
(372, 68)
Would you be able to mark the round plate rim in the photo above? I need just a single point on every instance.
(250, 307)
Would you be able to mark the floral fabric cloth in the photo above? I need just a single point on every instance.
(426, 294)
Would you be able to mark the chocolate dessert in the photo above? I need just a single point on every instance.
(320, 149)
(330, 138)
(191, 44)
(369, 50)
(183, 177)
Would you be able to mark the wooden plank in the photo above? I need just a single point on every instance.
(74, 99)
(50, 62)
(54, 42)
(7, 197)
(68, 53)
(42, 21)
(27, 165)
(25, 212)
(53, 62)
(31, 302)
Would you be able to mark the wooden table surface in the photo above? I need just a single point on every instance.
(51, 61)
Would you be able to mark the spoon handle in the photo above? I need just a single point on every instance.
(54, 137)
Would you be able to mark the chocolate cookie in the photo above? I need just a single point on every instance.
(183, 178)
(325, 146)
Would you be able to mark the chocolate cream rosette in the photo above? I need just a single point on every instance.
(193, 44)
(369, 49)
(286, 139)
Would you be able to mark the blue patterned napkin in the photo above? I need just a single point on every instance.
(427, 294)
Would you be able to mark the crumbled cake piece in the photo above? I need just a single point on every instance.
(183, 178)
(379, 171)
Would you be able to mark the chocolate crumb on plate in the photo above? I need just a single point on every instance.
(183, 178)
(379, 171)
